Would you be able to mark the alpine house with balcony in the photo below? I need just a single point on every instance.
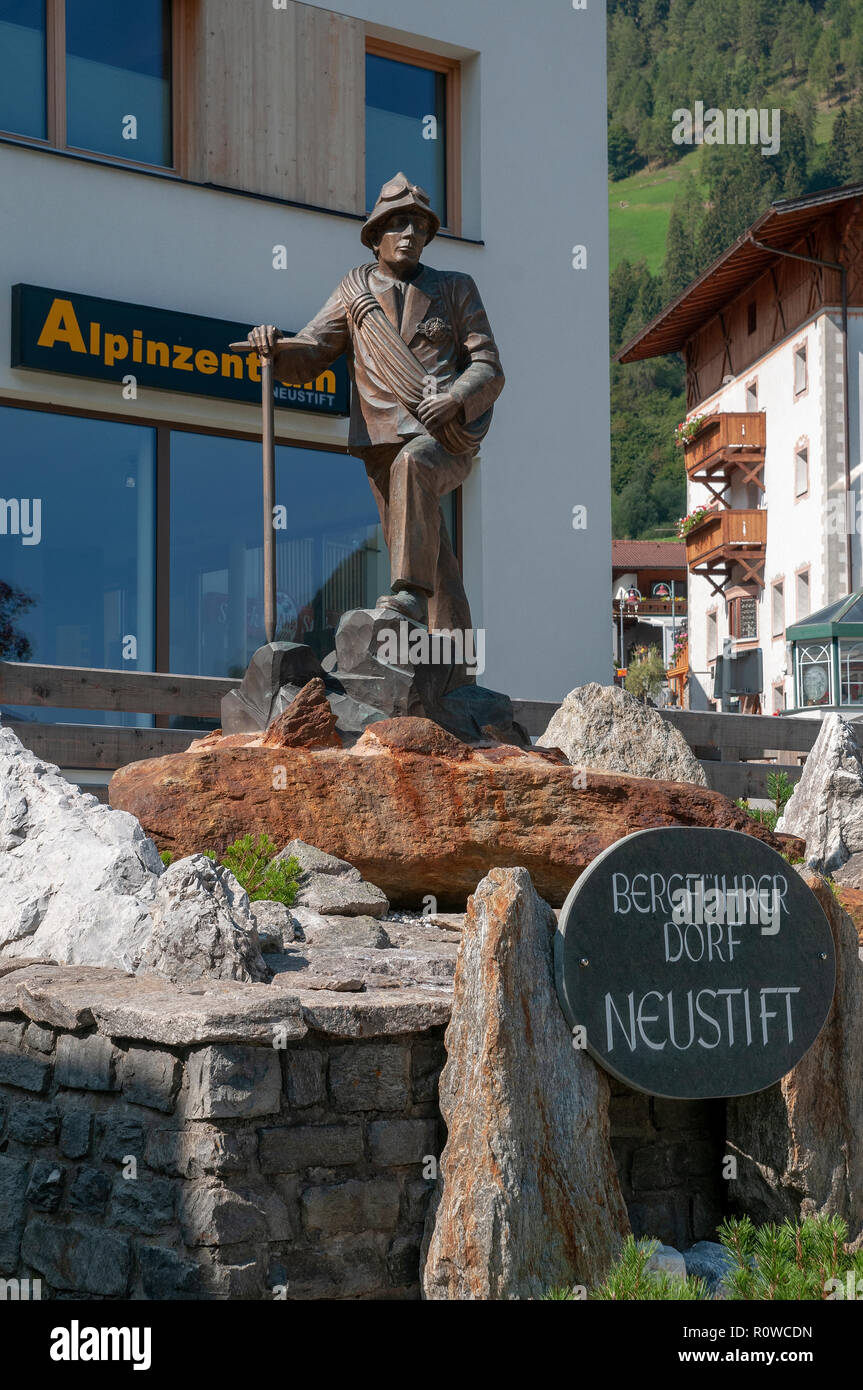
(772, 337)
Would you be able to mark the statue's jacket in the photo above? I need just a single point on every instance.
(444, 324)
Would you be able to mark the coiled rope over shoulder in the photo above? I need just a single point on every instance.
(396, 365)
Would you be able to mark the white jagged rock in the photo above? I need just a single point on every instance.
(203, 925)
(75, 876)
(607, 729)
(826, 806)
(82, 884)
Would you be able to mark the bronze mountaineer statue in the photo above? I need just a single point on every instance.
(426, 374)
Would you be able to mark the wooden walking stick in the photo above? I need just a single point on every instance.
(268, 462)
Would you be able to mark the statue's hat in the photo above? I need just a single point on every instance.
(399, 195)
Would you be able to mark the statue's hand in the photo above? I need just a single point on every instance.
(264, 338)
(434, 411)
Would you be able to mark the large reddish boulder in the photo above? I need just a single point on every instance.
(417, 811)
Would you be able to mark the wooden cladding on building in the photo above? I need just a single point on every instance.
(272, 101)
(781, 299)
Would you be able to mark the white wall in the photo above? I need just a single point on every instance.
(535, 108)
(796, 528)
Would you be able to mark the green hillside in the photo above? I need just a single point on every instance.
(674, 208)
(639, 210)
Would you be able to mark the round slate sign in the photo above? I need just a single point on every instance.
(694, 963)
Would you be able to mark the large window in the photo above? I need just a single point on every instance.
(22, 67)
(109, 90)
(85, 511)
(330, 555)
(77, 544)
(411, 125)
(330, 552)
(814, 674)
(851, 672)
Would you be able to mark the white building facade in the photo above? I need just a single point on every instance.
(763, 339)
(169, 180)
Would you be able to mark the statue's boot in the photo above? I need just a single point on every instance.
(412, 603)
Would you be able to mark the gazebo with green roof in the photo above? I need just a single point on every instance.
(827, 655)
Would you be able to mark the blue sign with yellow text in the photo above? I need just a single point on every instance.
(108, 340)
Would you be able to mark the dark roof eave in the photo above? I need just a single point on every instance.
(639, 347)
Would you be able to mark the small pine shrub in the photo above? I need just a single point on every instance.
(791, 1261)
(251, 864)
(794, 1261)
(166, 856)
(779, 789)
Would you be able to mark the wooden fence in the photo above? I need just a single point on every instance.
(737, 751)
(105, 747)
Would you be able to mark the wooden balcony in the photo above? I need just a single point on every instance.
(650, 607)
(728, 537)
(727, 443)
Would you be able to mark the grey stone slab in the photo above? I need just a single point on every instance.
(45, 1187)
(201, 1150)
(376, 1077)
(13, 1187)
(120, 1137)
(150, 1077)
(86, 1064)
(353, 1206)
(142, 1206)
(346, 1268)
(327, 894)
(304, 1077)
(376, 1014)
(398, 1143)
(216, 1215)
(78, 1259)
(11, 1032)
(292, 1149)
(317, 861)
(75, 1133)
(336, 932)
(231, 1081)
(89, 1190)
(166, 1275)
(39, 1038)
(27, 1073)
(33, 1122)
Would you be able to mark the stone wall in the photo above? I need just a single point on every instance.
(669, 1162)
(226, 1170)
(155, 1144)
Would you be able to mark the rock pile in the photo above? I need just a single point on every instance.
(82, 885)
